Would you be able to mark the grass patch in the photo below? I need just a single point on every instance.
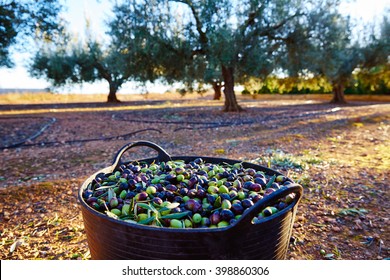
(278, 159)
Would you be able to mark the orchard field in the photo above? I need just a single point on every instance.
(339, 153)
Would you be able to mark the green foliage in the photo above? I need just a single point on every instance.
(20, 20)
(209, 41)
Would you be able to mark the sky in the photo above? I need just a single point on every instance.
(98, 11)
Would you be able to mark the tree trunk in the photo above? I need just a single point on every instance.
(231, 104)
(217, 90)
(338, 94)
(112, 94)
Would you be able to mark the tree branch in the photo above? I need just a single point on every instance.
(199, 26)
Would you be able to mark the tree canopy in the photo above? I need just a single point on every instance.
(216, 40)
(22, 19)
(220, 43)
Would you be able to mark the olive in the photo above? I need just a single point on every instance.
(116, 212)
(205, 222)
(187, 223)
(226, 215)
(237, 208)
(268, 211)
(176, 223)
(171, 178)
(256, 197)
(123, 194)
(95, 205)
(223, 224)
(247, 185)
(246, 203)
(226, 204)
(170, 196)
(255, 187)
(211, 198)
(180, 177)
(281, 205)
(125, 209)
(192, 181)
(193, 205)
(261, 181)
(183, 191)
(290, 198)
(91, 199)
(198, 161)
(176, 210)
(280, 179)
(223, 189)
(178, 199)
(114, 202)
(241, 195)
(157, 200)
(197, 218)
(215, 218)
(212, 189)
(141, 196)
(132, 183)
(171, 187)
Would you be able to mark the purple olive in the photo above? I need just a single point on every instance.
(255, 187)
(226, 215)
(237, 208)
(157, 200)
(246, 203)
(215, 218)
(261, 181)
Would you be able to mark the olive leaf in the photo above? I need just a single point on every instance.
(111, 194)
(271, 181)
(147, 221)
(218, 202)
(176, 215)
(130, 221)
(145, 206)
(172, 205)
(111, 215)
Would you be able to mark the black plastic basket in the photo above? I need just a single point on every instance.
(114, 239)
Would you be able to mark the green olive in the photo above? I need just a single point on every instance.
(176, 223)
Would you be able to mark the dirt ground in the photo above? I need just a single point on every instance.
(339, 154)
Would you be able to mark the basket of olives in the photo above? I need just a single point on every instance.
(187, 207)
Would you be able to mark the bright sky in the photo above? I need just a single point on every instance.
(99, 10)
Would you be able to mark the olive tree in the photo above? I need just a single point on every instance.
(71, 61)
(239, 39)
(332, 52)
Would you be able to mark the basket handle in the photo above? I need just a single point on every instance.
(269, 200)
(162, 154)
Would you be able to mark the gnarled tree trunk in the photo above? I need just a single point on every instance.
(112, 94)
(338, 93)
(231, 104)
(217, 90)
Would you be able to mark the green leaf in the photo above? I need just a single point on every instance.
(145, 206)
(111, 194)
(329, 256)
(176, 215)
(271, 181)
(172, 205)
(147, 221)
(130, 221)
(111, 215)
